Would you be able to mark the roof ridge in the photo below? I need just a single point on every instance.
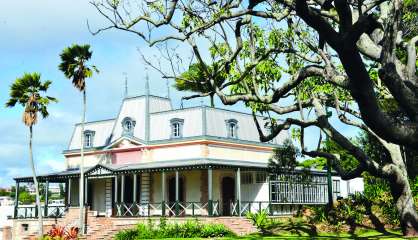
(95, 121)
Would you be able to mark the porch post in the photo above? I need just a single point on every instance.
(177, 193)
(270, 206)
(116, 189)
(238, 186)
(46, 199)
(163, 193)
(16, 199)
(210, 202)
(122, 188)
(134, 192)
(85, 192)
(69, 192)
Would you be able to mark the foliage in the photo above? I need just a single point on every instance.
(350, 210)
(194, 80)
(61, 233)
(73, 64)
(4, 192)
(260, 220)
(377, 191)
(26, 198)
(26, 91)
(188, 229)
(316, 163)
(284, 157)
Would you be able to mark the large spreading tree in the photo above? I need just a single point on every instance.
(302, 64)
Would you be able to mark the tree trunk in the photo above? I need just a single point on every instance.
(405, 204)
(81, 187)
(212, 101)
(402, 194)
(35, 182)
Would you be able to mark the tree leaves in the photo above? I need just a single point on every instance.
(73, 64)
(26, 91)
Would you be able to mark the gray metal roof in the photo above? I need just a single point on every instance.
(198, 121)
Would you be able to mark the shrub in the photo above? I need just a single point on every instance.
(129, 234)
(188, 229)
(60, 233)
(260, 220)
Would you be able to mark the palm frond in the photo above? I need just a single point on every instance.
(25, 91)
(73, 64)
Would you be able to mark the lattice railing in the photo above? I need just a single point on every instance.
(32, 211)
(166, 209)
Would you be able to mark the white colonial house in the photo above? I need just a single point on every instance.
(153, 160)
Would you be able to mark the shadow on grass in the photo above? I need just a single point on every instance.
(299, 229)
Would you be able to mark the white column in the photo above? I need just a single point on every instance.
(238, 189)
(163, 193)
(69, 192)
(46, 198)
(116, 189)
(163, 186)
(210, 190)
(86, 191)
(177, 186)
(122, 188)
(135, 184)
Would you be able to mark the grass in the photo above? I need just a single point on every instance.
(297, 229)
(360, 234)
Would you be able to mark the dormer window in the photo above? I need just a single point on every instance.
(128, 125)
(232, 128)
(176, 127)
(88, 138)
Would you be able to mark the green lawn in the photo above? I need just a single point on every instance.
(361, 234)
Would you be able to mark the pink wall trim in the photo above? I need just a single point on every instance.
(126, 157)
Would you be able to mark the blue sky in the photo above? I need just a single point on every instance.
(33, 33)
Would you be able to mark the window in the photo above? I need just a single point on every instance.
(247, 178)
(261, 177)
(88, 138)
(128, 125)
(176, 127)
(232, 128)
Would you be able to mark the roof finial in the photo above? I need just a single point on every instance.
(126, 84)
(146, 82)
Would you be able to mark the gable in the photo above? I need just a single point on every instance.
(125, 142)
(99, 171)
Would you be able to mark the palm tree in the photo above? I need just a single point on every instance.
(193, 80)
(74, 66)
(26, 91)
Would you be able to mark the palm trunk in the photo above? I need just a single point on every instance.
(35, 181)
(81, 193)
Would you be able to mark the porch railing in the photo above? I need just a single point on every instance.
(272, 209)
(32, 211)
(175, 209)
